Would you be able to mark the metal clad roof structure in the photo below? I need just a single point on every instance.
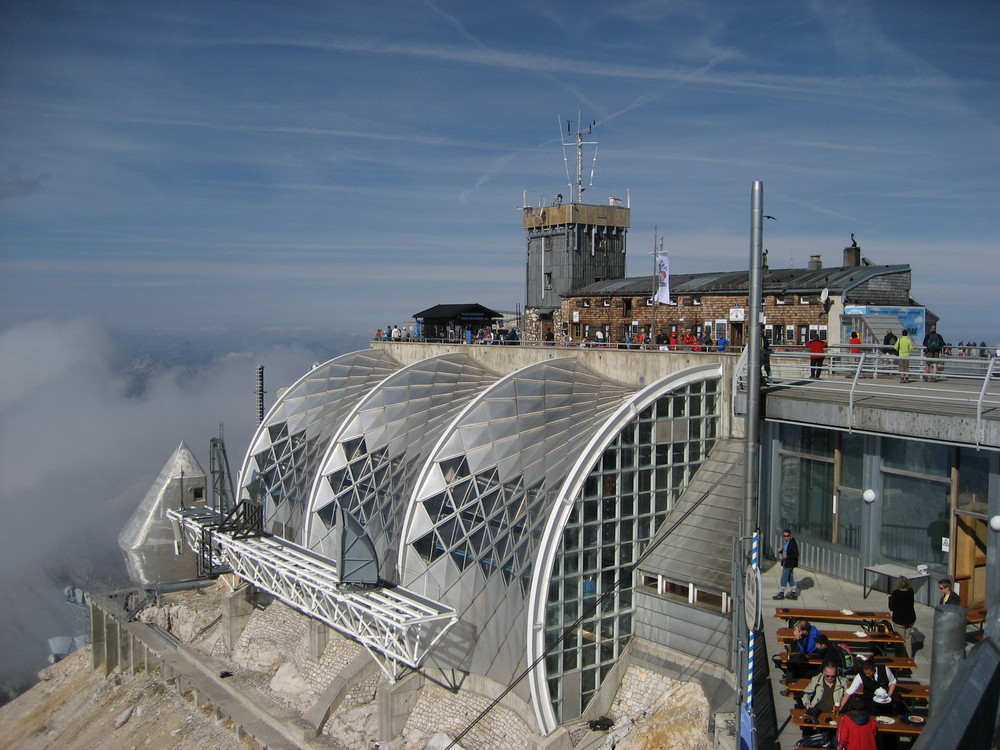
(695, 544)
(505, 501)
(791, 280)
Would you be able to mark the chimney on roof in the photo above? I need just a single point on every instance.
(852, 256)
(815, 262)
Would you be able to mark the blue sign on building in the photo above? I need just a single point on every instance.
(914, 318)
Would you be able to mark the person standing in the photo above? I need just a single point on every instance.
(904, 347)
(765, 359)
(818, 354)
(855, 342)
(789, 551)
(889, 342)
(722, 344)
(947, 595)
(903, 615)
(933, 344)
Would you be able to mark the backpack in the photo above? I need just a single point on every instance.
(934, 342)
(847, 660)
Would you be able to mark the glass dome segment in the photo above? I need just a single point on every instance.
(283, 458)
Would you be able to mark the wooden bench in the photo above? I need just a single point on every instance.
(895, 663)
(829, 721)
(905, 689)
(870, 640)
(977, 618)
(865, 619)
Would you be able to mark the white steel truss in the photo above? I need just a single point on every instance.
(393, 621)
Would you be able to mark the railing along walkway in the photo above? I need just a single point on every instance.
(967, 386)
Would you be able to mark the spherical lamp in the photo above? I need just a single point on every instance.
(995, 523)
(868, 496)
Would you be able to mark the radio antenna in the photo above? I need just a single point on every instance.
(576, 185)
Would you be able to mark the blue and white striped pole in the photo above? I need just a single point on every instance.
(754, 559)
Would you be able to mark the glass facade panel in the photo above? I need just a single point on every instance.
(624, 500)
(973, 480)
(807, 496)
(914, 519)
(852, 451)
(915, 456)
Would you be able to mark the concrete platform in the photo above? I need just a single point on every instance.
(818, 591)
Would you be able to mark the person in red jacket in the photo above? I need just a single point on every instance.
(818, 354)
(856, 729)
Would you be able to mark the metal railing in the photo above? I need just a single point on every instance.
(969, 384)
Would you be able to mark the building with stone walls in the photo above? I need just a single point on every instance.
(797, 303)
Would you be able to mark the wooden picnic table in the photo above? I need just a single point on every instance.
(862, 639)
(866, 619)
(895, 663)
(830, 721)
(905, 689)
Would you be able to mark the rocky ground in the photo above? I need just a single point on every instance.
(75, 706)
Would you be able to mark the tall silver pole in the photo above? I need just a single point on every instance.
(753, 339)
(752, 429)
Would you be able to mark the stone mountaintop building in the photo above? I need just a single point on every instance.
(797, 303)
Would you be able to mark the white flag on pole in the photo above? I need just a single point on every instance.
(663, 279)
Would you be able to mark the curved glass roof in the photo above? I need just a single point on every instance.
(479, 508)
(281, 464)
(514, 500)
(374, 456)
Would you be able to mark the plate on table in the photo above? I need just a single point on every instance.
(847, 612)
(885, 720)
(832, 722)
(914, 720)
(860, 633)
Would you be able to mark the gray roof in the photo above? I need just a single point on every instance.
(695, 543)
(778, 280)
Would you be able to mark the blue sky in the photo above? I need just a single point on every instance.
(331, 165)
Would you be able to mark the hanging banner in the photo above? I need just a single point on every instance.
(663, 279)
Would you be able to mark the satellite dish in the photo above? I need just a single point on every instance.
(824, 295)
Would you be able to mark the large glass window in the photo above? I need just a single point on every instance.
(806, 467)
(624, 501)
(914, 519)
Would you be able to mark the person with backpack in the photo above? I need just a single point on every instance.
(933, 344)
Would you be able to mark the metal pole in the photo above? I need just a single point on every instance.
(753, 359)
(947, 650)
(752, 430)
(656, 291)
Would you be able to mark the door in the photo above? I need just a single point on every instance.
(969, 556)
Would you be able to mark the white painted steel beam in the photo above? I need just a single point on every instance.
(396, 622)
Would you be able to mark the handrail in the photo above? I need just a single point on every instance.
(971, 384)
(982, 397)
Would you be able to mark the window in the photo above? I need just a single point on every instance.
(807, 299)
(779, 299)
(548, 280)
(696, 300)
(585, 303)
(606, 303)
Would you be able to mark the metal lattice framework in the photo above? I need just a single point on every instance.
(394, 622)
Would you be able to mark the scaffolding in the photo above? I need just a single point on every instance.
(392, 622)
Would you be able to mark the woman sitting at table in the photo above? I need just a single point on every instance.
(872, 676)
(856, 729)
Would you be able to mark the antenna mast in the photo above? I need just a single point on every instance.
(577, 188)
